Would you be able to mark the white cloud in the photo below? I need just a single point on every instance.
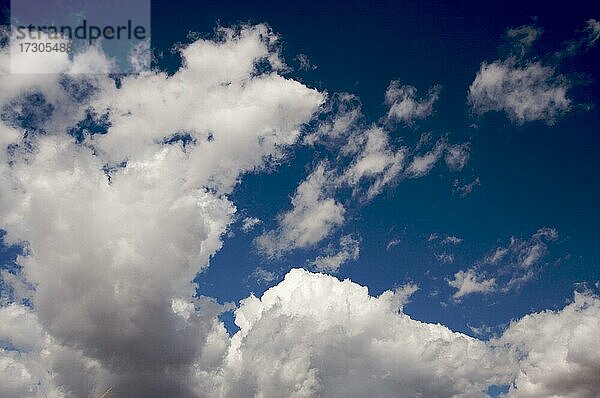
(524, 88)
(263, 276)
(452, 240)
(108, 256)
(312, 217)
(248, 223)
(558, 350)
(523, 38)
(348, 250)
(304, 62)
(404, 104)
(375, 161)
(330, 338)
(366, 160)
(469, 282)
(457, 156)
(392, 243)
(421, 165)
(525, 92)
(445, 258)
(513, 265)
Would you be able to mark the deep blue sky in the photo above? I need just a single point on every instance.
(531, 176)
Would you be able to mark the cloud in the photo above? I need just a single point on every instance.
(513, 265)
(469, 282)
(524, 88)
(457, 156)
(404, 104)
(314, 335)
(331, 338)
(393, 243)
(587, 38)
(263, 276)
(119, 212)
(525, 93)
(304, 62)
(523, 37)
(312, 217)
(558, 351)
(375, 161)
(445, 258)
(452, 240)
(593, 30)
(364, 159)
(348, 250)
(421, 165)
(248, 223)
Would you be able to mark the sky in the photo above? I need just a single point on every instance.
(336, 199)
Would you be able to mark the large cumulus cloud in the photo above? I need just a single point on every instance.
(118, 192)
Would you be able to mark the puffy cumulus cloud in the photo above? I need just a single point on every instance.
(312, 217)
(314, 335)
(119, 194)
(558, 350)
(404, 104)
(522, 87)
(331, 338)
(507, 267)
(348, 249)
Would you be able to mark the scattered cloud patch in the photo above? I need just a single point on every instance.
(445, 258)
(348, 250)
(404, 104)
(469, 282)
(457, 156)
(524, 88)
(506, 268)
(463, 190)
(263, 276)
(452, 240)
(248, 223)
(313, 216)
(304, 62)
